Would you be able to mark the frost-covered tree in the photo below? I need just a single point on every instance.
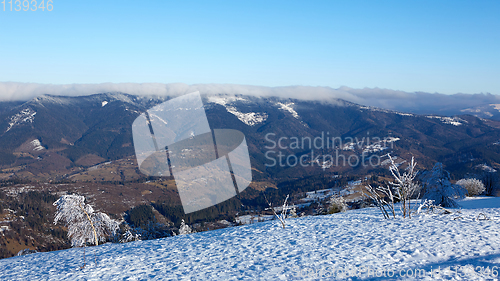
(437, 187)
(184, 228)
(474, 187)
(84, 225)
(404, 184)
(402, 189)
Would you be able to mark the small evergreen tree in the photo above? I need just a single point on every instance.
(437, 187)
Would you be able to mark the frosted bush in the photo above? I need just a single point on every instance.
(474, 187)
(184, 228)
(337, 205)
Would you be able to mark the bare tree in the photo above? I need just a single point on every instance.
(281, 217)
(379, 195)
(84, 226)
(404, 184)
(402, 189)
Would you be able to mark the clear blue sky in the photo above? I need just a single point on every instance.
(432, 46)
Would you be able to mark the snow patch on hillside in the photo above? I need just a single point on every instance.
(37, 145)
(495, 106)
(104, 103)
(250, 118)
(224, 100)
(455, 121)
(371, 147)
(61, 100)
(486, 168)
(371, 108)
(288, 107)
(380, 145)
(26, 115)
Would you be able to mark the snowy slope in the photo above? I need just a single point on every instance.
(311, 248)
(249, 118)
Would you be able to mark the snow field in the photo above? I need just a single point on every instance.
(310, 248)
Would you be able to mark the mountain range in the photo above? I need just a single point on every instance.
(57, 137)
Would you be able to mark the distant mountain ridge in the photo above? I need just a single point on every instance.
(62, 133)
(478, 104)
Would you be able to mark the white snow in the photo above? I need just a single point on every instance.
(458, 246)
(224, 100)
(371, 147)
(4, 228)
(288, 107)
(380, 145)
(250, 219)
(495, 106)
(371, 108)
(250, 118)
(104, 103)
(37, 145)
(26, 115)
(485, 168)
(318, 195)
(455, 121)
(349, 146)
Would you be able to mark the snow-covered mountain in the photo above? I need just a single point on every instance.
(84, 145)
(464, 245)
(88, 130)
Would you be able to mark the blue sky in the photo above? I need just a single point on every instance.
(432, 46)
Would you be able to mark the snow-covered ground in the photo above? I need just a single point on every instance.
(37, 145)
(458, 246)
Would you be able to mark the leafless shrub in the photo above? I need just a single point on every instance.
(402, 189)
(281, 217)
(337, 205)
(474, 187)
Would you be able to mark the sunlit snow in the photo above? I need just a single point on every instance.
(288, 107)
(250, 118)
(37, 145)
(455, 121)
(464, 245)
(26, 115)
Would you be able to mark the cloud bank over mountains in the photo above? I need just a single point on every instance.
(418, 102)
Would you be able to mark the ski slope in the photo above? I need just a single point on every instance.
(463, 246)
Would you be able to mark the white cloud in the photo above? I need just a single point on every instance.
(419, 102)
(25, 91)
